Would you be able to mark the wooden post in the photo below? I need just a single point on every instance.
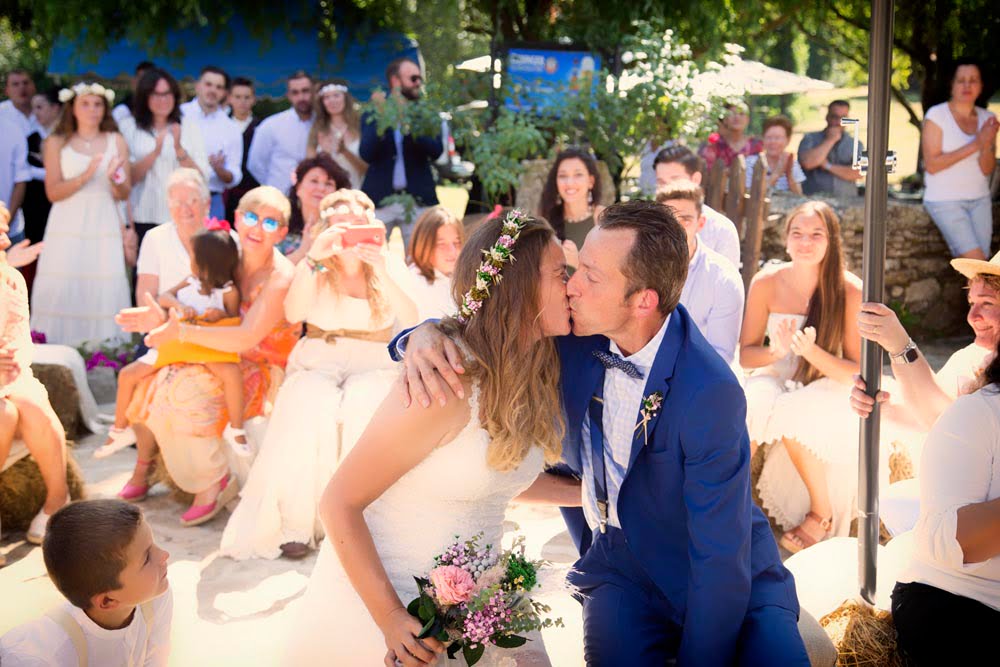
(716, 189)
(756, 211)
(735, 191)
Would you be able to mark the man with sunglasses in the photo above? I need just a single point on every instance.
(399, 163)
(826, 156)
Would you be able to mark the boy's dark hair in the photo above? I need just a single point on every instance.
(212, 69)
(242, 81)
(216, 255)
(659, 256)
(681, 155)
(85, 547)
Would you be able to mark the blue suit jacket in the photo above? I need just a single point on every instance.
(684, 504)
(379, 151)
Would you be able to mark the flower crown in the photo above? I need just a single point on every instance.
(332, 88)
(488, 273)
(66, 94)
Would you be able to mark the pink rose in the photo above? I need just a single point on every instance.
(452, 584)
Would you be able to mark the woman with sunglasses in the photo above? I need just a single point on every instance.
(181, 410)
(353, 298)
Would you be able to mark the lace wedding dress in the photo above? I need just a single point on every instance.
(450, 494)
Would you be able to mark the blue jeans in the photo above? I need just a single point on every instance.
(217, 208)
(965, 224)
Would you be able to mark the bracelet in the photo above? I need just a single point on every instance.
(314, 266)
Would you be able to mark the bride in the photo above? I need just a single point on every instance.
(421, 478)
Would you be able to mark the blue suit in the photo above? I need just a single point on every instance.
(379, 151)
(694, 572)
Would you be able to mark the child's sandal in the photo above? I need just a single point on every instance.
(230, 435)
(799, 538)
(118, 439)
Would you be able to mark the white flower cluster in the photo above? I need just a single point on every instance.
(82, 88)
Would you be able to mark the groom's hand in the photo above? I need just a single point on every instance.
(432, 361)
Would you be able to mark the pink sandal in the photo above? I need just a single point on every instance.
(133, 493)
(199, 514)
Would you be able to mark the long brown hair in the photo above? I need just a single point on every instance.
(827, 303)
(517, 372)
(356, 198)
(551, 205)
(66, 126)
(424, 238)
(322, 118)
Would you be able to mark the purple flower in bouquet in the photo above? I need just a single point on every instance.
(38, 337)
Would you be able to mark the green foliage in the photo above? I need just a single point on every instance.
(903, 314)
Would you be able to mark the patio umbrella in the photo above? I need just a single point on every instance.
(873, 274)
(757, 79)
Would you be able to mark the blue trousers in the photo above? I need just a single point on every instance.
(217, 209)
(628, 621)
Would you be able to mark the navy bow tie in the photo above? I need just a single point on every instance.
(612, 360)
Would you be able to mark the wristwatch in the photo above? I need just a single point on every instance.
(907, 355)
(827, 165)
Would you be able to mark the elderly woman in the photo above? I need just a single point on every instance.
(946, 604)
(783, 169)
(181, 410)
(24, 404)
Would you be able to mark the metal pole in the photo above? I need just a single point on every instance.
(873, 270)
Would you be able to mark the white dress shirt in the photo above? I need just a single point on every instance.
(149, 196)
(219, 133)
(278, 145)
(27, 124)
(713, 296)
(719, 234)
(242, 125)
(622, 398)
(960, 466)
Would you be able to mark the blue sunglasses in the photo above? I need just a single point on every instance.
(250, 219)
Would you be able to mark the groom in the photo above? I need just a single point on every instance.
(680, 565)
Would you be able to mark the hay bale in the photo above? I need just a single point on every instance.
(63, 395)
(900, 464)
(864, 637)
(22, 491)
(756, 467)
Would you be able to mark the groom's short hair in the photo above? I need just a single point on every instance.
(659, 256)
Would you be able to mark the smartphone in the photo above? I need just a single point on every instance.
(355, 234)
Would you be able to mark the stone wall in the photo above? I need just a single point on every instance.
(919, 280)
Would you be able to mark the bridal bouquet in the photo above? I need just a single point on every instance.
(476, 595)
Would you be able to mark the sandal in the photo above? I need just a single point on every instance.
(799, 538)
(118, 438)
(230, 435)
(133, 493)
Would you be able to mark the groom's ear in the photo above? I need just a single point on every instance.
(646, 303)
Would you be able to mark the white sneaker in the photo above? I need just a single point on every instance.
(118, 438)
(242, 449)
(36, 531)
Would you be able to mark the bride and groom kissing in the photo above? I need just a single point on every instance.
(606, 379)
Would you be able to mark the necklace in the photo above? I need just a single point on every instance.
(590, 212)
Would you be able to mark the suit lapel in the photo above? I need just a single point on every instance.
(659, 380)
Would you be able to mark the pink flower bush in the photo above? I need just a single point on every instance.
(452, 584)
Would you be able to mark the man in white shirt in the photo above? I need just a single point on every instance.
(223, 138)
(677, 162)
(14, 171)
(19, 89)
(713, 291)
(279, 143)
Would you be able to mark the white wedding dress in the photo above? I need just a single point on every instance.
(450, 496)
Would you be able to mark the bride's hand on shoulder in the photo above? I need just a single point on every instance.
(329, 243)
(431, 362)
(400, 631)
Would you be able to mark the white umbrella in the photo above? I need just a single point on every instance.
(757, 79)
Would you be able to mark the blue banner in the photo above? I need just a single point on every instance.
(539, 76)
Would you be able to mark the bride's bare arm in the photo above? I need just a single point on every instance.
(549, 489)
(396, 440)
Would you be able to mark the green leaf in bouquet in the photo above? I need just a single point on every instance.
(429, 628)
(473, 655)
(422, 583)
(454, 648)
(427, 608)
(510, 641)
(413, 609)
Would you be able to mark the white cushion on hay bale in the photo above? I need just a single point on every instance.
(827, 574)
(899, 506)
(63, 355)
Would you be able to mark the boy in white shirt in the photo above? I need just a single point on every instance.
(101, 556)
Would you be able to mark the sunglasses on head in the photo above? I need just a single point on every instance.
(250, 219)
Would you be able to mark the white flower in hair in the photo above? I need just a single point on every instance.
(83, 88)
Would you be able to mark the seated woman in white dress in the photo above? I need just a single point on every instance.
(25, 410)
(946, 604)
(797, 397)
(434, 246)
(421, 478)
(352, 300)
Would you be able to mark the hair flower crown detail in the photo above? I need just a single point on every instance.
(82, 88)
(488, 273)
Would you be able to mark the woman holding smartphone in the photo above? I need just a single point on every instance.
(353, 299)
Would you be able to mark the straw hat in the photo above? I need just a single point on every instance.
(970, 268)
